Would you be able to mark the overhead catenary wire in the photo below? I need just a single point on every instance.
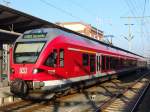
(144, 7)
(130, 7)
(137, 7)
(88, 11)
(142, 23)
(134, 9)
(61, 10)
(85, 9)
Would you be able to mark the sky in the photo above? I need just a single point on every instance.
(107, 15)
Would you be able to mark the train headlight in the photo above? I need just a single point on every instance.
(36, 70)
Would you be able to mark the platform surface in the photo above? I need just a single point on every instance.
(5, 92)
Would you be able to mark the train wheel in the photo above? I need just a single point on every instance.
(19, 87)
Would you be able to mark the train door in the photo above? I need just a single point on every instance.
(55, 62)
(92, 64)
(98, 63)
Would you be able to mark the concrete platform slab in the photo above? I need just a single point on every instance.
(5, 92)
(5, 95)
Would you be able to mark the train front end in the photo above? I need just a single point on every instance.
(26, 58)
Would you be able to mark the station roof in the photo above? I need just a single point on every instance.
(14, 20)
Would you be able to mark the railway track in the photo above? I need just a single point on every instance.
(83, 102)
(128, 99)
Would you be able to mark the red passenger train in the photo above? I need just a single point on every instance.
(53, 60)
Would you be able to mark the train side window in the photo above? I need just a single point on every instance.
(92, 63)
(125, 63)
(98, 63)
(103, 62)
(111, 62)
(121, 62)
(85, 58)
(52, 59)
(97, 59)
(107, 62)
(116, 63)
(61, 57)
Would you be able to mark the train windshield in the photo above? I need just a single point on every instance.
(27, 52)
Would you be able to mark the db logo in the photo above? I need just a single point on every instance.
(23, 70)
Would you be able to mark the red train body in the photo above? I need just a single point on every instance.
(52, 59)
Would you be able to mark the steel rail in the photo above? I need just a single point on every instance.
(109, 101)
(140, 98)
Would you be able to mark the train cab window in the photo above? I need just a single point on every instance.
(85, 58)
(103, 62)
(61, 57)
(52, 59)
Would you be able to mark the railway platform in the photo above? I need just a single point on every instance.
(4, 83)
(5, 95)
(4, 92)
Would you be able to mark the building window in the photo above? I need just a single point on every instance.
(85, 58)
(61, 57)
(90, 35)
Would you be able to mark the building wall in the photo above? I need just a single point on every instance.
(148, 62)
(83, 28)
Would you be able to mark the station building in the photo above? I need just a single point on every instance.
(83, 28)
(148, 62)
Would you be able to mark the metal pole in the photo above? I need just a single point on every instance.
(97, 32)
(1, 47)
(10, 32)
(8, 62)
(129, 38)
